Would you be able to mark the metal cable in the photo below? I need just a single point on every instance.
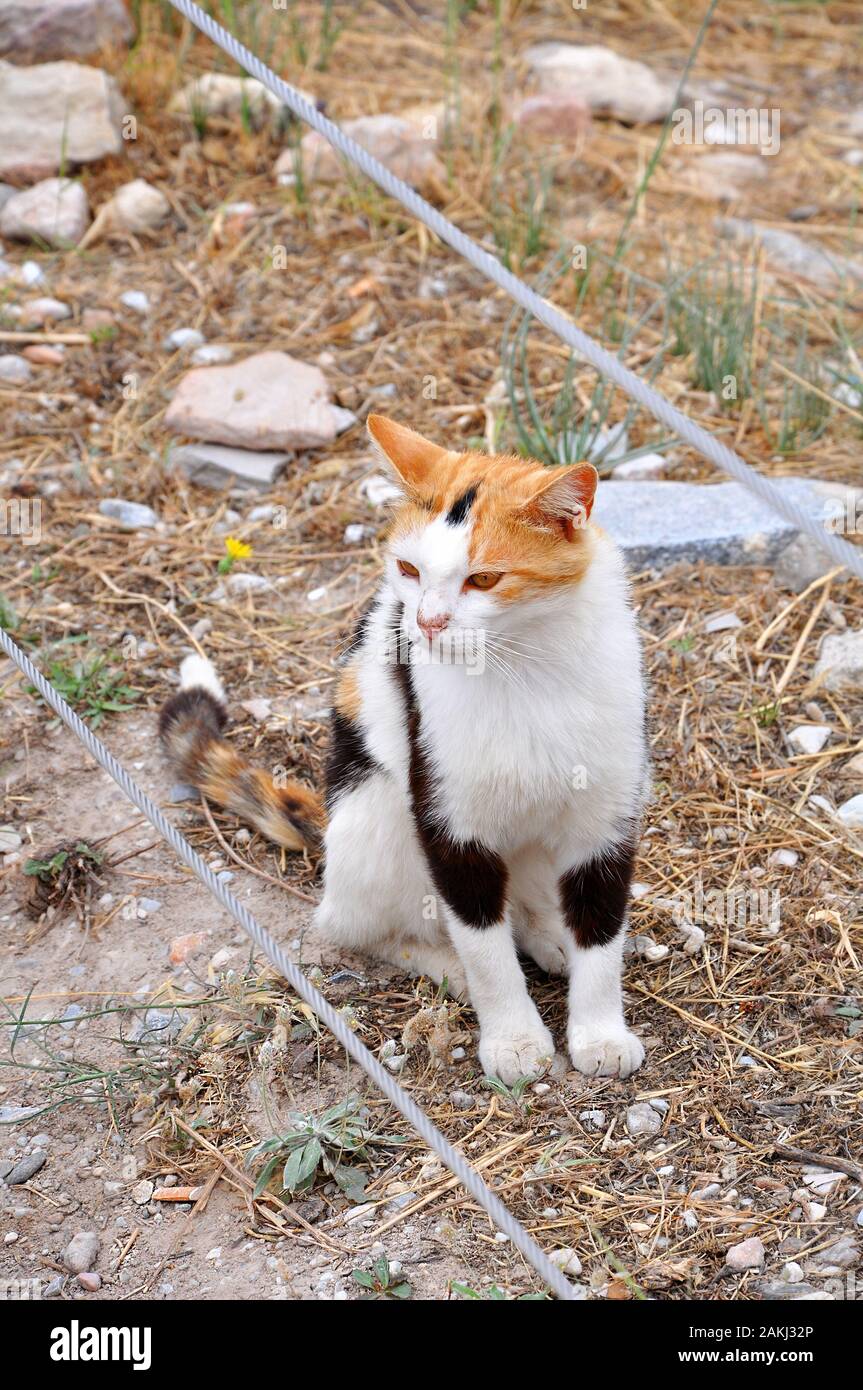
(840, 551)
(386, 1082)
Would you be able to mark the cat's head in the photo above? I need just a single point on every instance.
(481, 541)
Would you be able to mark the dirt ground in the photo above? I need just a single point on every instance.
(753, 1044)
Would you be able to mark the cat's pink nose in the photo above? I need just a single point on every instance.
(432, 626)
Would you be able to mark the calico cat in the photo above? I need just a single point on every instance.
(488, 764)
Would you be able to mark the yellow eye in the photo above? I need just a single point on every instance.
(485, 579)
(410, 570)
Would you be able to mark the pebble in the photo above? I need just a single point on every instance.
(809, 738)
(182, 791)
(183, 340)
(595, 1118)
(722, 622)
(31, 273)
(851, 812)
(82, 1252)
(783, 858)
(135, 300)
(461, 1100)
(10, 840)
(458, 1054)
(840, 660)
(379, 491)
(10, 1237)
(356, 533)
(791, 1273)
(566, 1260)
(14, 370)
(749, 1254)
(132, 516)
(183, 946)
(643, 1119)
(27, 1168)
(44, 355)
(90, 1280)
(212, 354)
(46, 309)
(638, 469)
(142, 1192)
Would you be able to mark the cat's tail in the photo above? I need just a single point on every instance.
(191, 727)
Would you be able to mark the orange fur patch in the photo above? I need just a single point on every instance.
(516, 528)
(348, 700)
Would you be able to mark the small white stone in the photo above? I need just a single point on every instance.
(356, 533)
(315, 595)
(136, 300)
(14, 370)
(851, 812)
(378, 490)
(791, 1273)
(566, 1260)
(31, 273)
(783, 858)
(809, 738)
(241, 583)
(637, 469)
(211, 355)
(183, 340)
(458, 1054)
(642, 1119)
(656, 953)
(722, 622)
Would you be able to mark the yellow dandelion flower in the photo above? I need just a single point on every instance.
(237, 550)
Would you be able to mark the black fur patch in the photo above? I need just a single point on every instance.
(462, 505)
(594, 897)
(471, 879)
(194, 708)
(349, 762)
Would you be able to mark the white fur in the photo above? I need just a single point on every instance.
(199, 671)
(510, 749)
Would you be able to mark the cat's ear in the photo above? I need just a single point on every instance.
(564, 500)
(413, 457)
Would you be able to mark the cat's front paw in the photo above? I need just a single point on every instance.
(618, 1053)
(517, 1054)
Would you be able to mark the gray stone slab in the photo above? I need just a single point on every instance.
(219, 465)
(657, 524)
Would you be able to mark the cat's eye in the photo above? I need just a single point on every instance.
(410, 570)
(483, 579)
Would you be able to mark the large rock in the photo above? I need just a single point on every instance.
(55, 211)
(60, 28)
(267, 401)
(406, 144)
(54, 115)
(658, 523)
(840, 661)
(609, 84)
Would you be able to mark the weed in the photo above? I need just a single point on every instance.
(320, 1141)
(381, 1283)
(92, 687)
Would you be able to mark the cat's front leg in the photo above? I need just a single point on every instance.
(514, 1041)
(472, 882)
(595, 899)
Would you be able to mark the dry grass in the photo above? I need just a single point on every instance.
(752, 1040)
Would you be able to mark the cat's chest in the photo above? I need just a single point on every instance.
(498, 763)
